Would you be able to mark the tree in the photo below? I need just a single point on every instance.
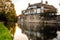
(7, 13)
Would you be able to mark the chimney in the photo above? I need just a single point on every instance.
(28, 4)
(41, 1)
(46, 2)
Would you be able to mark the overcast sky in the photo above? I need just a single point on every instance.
(23, 4)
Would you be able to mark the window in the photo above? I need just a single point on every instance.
(33, 10)
(38, 10)
(42, 8)
(26, 12)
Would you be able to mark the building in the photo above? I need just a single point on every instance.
(38, 18)
(34, 12)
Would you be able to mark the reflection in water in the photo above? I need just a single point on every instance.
(34, 32)
(58, 35)
(19, 35)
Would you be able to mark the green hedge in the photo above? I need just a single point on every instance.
(4, 33)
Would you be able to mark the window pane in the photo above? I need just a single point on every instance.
(38, 10)
(33, 10)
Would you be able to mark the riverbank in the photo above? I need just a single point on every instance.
(4, 33)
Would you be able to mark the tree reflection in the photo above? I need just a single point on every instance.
(49, 32)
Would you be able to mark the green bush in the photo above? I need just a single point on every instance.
(4, 33)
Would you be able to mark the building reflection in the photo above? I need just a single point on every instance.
(32, 30)
(35, 32)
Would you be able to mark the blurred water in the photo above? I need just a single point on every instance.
(19, 35)
(32, 30)
(58, 36)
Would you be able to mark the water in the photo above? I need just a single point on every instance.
(35, 31)
(58, 36)
(19, 35)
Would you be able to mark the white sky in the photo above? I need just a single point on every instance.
(23, 4)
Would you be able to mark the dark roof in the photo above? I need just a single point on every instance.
(50, 7)
(40, 4)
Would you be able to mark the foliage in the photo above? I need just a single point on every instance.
(8, 12)
(2, 16)
(4, 33)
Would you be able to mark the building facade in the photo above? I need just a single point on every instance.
(37, 18)
(35, 12)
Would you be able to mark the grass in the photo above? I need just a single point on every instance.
(4, 33)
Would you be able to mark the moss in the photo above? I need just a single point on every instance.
(4, 33)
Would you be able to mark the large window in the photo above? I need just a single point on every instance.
(38, 10)
(33, 11)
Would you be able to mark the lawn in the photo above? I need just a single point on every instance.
(4, 33)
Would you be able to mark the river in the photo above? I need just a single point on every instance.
(32, 31)
(19, 35)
